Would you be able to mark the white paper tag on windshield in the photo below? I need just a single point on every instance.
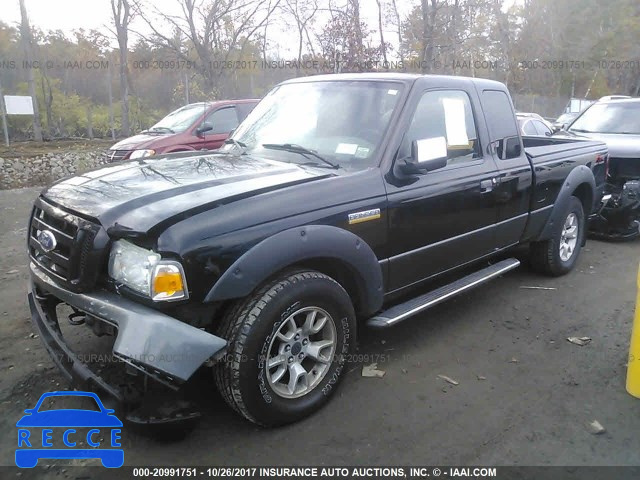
(362, 152)
(392, 92)
(347, 148)
(431, 148)
(455, 121)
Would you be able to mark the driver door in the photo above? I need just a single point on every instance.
(443, 218)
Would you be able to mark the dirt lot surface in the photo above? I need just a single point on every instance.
(525, 395)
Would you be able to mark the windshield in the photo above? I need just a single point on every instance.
(179, 120)
(565, 117)
(343, 122)
(622, 118)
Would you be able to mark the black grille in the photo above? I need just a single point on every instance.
(67, 262)
(116, 155)
(624, 168)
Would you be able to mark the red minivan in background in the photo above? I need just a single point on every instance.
(197, 126)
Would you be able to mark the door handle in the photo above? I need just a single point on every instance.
(486, 186)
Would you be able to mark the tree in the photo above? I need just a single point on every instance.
(398, 24)
(122, 15)
(383, 46)
(356, 47)
(217, 30)
(429, 10)
(27, 44)
(302, 12)
(343, 44)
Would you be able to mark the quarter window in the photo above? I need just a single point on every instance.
(499, 114)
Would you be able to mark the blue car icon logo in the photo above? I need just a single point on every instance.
(42, 433)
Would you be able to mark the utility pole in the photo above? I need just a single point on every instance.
(27, 45)
(110, 92)
(186, 88)
(3, 111)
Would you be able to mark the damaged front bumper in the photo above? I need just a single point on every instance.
(160, 346)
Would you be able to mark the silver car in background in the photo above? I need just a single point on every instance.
(616, 122)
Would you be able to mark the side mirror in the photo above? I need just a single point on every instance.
(509, 147)
(427, 155)
(202, 129)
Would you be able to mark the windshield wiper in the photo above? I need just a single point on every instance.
(305, 152)
(236, 143)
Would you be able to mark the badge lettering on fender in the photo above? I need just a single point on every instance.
(364, 216)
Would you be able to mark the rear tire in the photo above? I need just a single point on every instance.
(558, 255)
(284, 361)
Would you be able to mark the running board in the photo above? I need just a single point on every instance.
(400, 312)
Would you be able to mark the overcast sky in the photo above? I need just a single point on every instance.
(68, 15)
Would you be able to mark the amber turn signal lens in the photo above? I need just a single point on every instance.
(168, 283)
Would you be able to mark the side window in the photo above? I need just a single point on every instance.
(501, 121)
(529, 128)
(499, 114)
(223, 121)
(244, 109)
(444, 114)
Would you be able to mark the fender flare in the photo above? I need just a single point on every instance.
(297, 245)
(578, 176)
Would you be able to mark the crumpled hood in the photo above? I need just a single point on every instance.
(140, 194)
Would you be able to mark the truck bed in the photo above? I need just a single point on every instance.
(537, 148)
(543, 150)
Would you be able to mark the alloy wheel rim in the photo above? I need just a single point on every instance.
(300, 353)
(569, 237)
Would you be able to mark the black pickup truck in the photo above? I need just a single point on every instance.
(335, 198)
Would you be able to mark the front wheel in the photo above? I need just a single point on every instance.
(558, 255)
(287, 347)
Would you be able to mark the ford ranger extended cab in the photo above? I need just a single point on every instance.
(338, 198)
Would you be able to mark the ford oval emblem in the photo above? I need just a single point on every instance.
(47, 240)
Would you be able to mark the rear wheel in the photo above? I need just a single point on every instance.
(287, 346)
(558, 255)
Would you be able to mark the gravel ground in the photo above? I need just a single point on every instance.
(525, 395)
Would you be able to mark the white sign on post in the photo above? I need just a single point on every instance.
(18, 105)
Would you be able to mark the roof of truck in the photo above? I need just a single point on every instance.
(620, 100)
(392, 76)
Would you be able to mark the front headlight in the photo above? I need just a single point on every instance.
(145, 272)
(141, 154)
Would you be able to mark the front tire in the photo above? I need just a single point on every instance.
(558, 255)
(287, 346)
